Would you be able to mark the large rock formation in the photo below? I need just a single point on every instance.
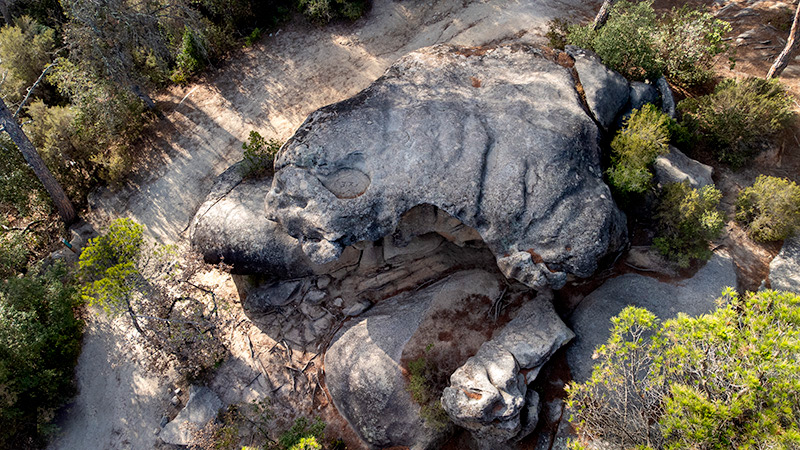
(496, 137)
(231, 227)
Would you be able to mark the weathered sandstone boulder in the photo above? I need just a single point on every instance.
(495, 137)
(784, 270)
(487, 395)
(364, 366)
(694, 296)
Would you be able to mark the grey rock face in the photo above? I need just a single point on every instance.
(667, 100)
(642, 94)
(488, 393)
(496, 137)
(784, 270)
(202, 407)
(606, 91)
(591, 319)
(675, 167)
(363, 364)
(231, 225)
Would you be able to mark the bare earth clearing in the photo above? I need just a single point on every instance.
(271, 88)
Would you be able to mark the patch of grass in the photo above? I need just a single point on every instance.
(259, 154)
(420, 386)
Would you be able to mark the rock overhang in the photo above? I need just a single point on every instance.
(496, 137)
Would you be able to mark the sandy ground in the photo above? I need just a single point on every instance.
(269, 88)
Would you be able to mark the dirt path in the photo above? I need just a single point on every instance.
(270, 88)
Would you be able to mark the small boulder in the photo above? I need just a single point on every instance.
(676, 167)
(363, 368)
(201, 408)
(591, 320)
(606, 90)
(784, 270)
(667, 100)
(488, 393)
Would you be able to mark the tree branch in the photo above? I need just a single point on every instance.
(30, 89)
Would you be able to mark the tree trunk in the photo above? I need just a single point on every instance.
(63, 205)
(788, 52)
(602, 15)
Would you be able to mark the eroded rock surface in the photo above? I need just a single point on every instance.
(231, 226)
(364, 369)
(201, 408)
(495, 137)
(606, 91)
(693, 296)
(488, 393)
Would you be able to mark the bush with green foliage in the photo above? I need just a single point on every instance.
(738, 118)
(636, 42)
(644, 136)
(323, 11)
(21, 193)
(687, 220)
(688, 41)
(259, 155)
(25, 49)
(302, 432)
(39, 347)
(770, 208)
(191, 58)
(729, 379)
(423, 392)
(155, 287)
(627, 42)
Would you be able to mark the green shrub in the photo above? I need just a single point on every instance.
(191, 57)
(253, 37)
(39, 347)
(14, 253)
(259, 154)
(21, 193)
(323, 11)
(688, 40)
(687, 220)
(107, 120)
(627, 42)
(25, 49)
(422, 391)
(770, 208)
(644, 136)
(725, 380)
(738, 118)
(303, 432)
(636, 42)
(557, 31)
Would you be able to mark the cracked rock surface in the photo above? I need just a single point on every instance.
(488, 393)
(496, 137)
